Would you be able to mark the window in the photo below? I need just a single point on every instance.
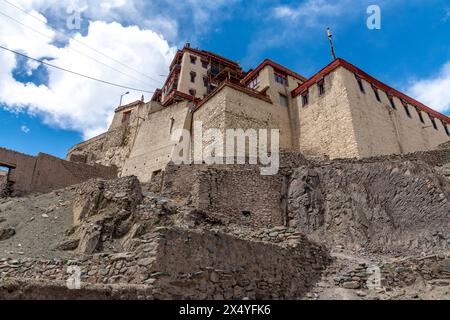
(420, 115)
(192, 92)
(172, 122)
(305, 99)
(126, 116)
(405, 106)
(193, 59)
(281, 79)
(433, 121)
(360, 83)
(215, 68)
(446, 128)
(205, 64)
(283, 100)
(377, 94)
(205, 81)
(254, 83)
(193, 76)
(321, 87)
(391, 100)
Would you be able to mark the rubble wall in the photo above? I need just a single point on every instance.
(214, 266)
(224, 267)
(232, 193)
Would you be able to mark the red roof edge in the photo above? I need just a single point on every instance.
(179, 94)
(132, 104)
(251, 92)
(206, 54)
(380, 85)
(273, 64)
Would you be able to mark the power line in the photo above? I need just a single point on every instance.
(75, 73)
(75, 50)
(80, 42)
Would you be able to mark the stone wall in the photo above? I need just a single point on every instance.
(152, 147)
(110, 148)
(215, 266)
(45, 173)
(236, 194)
(241, 195)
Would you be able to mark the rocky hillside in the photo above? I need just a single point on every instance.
(371, 229)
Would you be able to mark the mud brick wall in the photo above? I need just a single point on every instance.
(45, 173)
(241, 196)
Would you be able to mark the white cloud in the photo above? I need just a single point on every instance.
(71, 102)
(446, 14)
(434, 91)
(137, 33)
(309, 12)
(25, 129)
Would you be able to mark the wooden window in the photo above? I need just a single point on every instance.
(192, 92)
(205, 81)
(283, 100)
(391, 101)
(405, 106)
(193, 59)
(321, 87)
(126, 116)
(254, 83)
(446, 128)
(281, 78)
(377, 93)
(433, 121)
(205, 64)
(193, 76)
(419, 112)
(305, 99)
(360, 83)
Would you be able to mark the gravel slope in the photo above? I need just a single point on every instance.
(39, 223)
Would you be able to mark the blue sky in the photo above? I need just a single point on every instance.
(44, 110)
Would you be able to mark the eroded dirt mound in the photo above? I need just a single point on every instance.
(383, 206)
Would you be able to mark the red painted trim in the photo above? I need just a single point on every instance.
(208, 54)
(380, 85)
(132, 104)
(205, 54)
(276, 66)
(178, 94)
(251, 92)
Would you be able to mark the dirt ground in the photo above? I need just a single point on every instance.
(40, 223)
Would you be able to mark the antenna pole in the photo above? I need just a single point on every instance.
(330, 37)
